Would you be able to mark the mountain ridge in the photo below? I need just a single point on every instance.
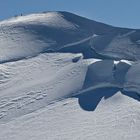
(44, 31)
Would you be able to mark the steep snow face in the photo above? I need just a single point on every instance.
(106, 73)
(132, 78)
(118, 46)
(120, 71)
(100, 73)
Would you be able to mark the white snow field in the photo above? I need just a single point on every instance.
(66, 77)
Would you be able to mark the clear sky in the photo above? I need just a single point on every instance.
(124, 13)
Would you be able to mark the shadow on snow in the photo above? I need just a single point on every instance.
(90, 100)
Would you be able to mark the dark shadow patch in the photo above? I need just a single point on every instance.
(76, 59)
(88, 101)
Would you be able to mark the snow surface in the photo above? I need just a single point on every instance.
(63, 76)
(115, 118)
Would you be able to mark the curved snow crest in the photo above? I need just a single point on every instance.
(51, 19)
(27, 36)
(105, 73)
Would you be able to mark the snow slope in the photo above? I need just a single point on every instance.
(33, 84)
(63, 76)
(115, 118)
(27, 36)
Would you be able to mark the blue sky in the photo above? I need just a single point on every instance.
(124, 13)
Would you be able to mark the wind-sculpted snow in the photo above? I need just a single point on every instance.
(63, 76)
(117, 46)
(30, 84)
(35, 83)
(27, 36)
(100, 74)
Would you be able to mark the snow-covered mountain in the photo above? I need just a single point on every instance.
(63, 76)
(30, 35)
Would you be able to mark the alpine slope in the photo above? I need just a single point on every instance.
(63, 76)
